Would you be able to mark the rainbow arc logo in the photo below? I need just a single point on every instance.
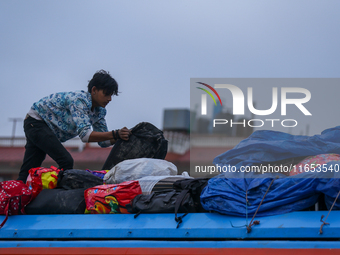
(209, 93)
(204, 97)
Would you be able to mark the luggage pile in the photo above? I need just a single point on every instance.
(139, 181)
(136, 186)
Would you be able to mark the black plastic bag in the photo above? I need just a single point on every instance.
(145, 141)
(77, 179)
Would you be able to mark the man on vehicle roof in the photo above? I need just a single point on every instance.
(61, 116)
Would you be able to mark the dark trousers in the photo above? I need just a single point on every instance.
(40, 140)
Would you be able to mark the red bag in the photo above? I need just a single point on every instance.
(42, 178)
(14, 196)
(111, 198)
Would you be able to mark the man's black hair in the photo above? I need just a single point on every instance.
(102, 80)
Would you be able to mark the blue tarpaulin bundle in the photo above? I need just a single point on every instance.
(330, 187)
(227, 192)
(269, 146)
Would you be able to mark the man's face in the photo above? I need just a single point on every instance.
(99, 98)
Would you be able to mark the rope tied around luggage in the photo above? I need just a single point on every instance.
(257, 222)
(179, 219)
(247, 203)
(324, 221)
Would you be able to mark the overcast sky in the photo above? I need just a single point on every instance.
(153, 48)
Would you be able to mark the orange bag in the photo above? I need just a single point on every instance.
(111, 198)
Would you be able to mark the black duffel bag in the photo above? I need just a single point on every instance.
(145, 141)
(165, 201)
(194, 187)
(58, 201)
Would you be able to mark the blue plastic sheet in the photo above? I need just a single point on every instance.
(330, 187)
(228, 195)
(227, 192)
(269, 146)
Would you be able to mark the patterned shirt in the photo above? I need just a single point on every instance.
(69, 114)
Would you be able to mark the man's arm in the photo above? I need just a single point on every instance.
(100, 136)
(123, 133)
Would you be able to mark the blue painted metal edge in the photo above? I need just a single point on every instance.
(205, 226)
(174, 244)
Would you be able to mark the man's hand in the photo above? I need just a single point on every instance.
(124, 133)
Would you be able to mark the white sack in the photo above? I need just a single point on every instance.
(133, 169)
